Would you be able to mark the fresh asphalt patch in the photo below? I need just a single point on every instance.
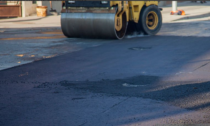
(135, 68)
(188, 95)
(168, 56)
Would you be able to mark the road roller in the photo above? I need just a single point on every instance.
(110, 19)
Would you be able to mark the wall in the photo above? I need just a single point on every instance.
(162, 3)
(39, 3)
(3, 2)
(12, 2)
(165, 3)
(28, 8)
(57, 5)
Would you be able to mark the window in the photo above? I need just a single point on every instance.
(33, 2)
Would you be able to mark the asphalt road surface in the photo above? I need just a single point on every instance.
(47, 79)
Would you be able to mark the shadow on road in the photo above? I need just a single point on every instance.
(191, 96)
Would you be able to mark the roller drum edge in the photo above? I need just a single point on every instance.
(90, 25)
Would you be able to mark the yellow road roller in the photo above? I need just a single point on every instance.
(110, 19)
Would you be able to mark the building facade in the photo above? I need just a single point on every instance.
(27, 8)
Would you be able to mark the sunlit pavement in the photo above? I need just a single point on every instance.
(21, 46)
(140, 80)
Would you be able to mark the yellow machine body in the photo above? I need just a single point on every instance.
(132, 10)
(118, 9)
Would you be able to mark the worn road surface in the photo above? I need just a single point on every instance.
(47, 79)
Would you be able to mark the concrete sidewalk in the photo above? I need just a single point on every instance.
(30, 22)
(194, 12)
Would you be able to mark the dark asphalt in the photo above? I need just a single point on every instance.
(165, 57)
(173, 69)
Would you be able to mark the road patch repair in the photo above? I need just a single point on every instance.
(48, 79)
(61, 89)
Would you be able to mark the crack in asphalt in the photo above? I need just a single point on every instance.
(115, 105)
(201, 66)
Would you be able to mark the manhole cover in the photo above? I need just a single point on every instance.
(140, 48)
